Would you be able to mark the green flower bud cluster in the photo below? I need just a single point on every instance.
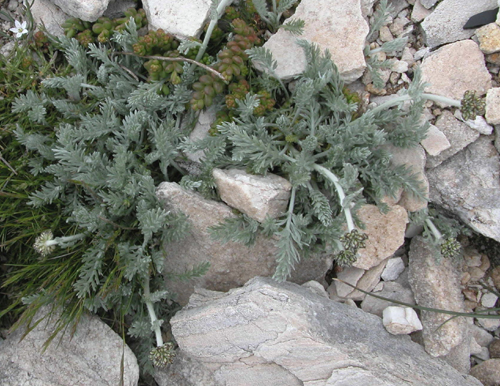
(163, 355)
(155, 43)
(450, 248)
(472, 105)
(351, 241)
(102, 30)
(232, 64)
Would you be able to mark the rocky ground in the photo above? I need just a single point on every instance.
(460, 165)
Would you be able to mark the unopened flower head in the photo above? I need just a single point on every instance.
(163, 355)
(44, 244)
(20, 29)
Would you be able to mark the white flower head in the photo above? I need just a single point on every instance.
(20, 29)
(44, 243)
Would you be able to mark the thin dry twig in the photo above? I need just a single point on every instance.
(7, 164)
(167, 59)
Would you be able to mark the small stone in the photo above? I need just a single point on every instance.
(465, 278)
(88, 10)
(13, 4)
(476, 273)
(480, 125)
(475, 348)
(484, 354)
(385, 34)
(399, 66)
(488, 324)
(385, 234)
(428, 3)
(472, 258)
(419, 12)
(397, 27)
(315, 287)
(256, 196)
(485, 263)
(495, 348)
(401, 320)
(391, 290)
(495, 275)
(487, 372)
(458, 134)
(393, 269)
(435, 142)
(489, 300)
(489, 38)
(493, 106)
(350, 275)
(481, 336)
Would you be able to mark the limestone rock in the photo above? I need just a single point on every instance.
(180, 18)
(435, 142)
(468, 185)
(91, 357)
(489, 38)
(88, 10)
(203, 124)
(401, 320)
(428, 3)
(391, 290)
(393, 269)
(458, 134)
(256, 196)
(231, 264)
(436, 285)
(493, 106)
(281, 334)
(450, 75)
(336, 25)
(495, 348)
(364, 280)
(480, 335)
(419, 12)
(479, 124)
(385, 234)
(445, 24)
(487, 372)
(415, 159)
(51, 16)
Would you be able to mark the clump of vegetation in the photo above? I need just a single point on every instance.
(102, 119)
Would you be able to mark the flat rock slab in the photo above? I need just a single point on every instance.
(91, 357)
(456, 68)
(445, 24)
(468, 184)
(336, 25)
(281, 334)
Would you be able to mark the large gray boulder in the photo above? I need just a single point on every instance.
(232, 264)
(281, 334)
(468, 184)
(93, 356)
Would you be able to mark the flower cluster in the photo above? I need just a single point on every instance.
(44, 243)
(450, 248)
(351, 241)
(472, 105)
(163, 355)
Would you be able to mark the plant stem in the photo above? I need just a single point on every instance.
(152, 313)
(222, 5)
(333, 178)
(406, 97)
(433, 229)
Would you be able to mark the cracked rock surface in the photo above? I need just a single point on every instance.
(287, 335)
